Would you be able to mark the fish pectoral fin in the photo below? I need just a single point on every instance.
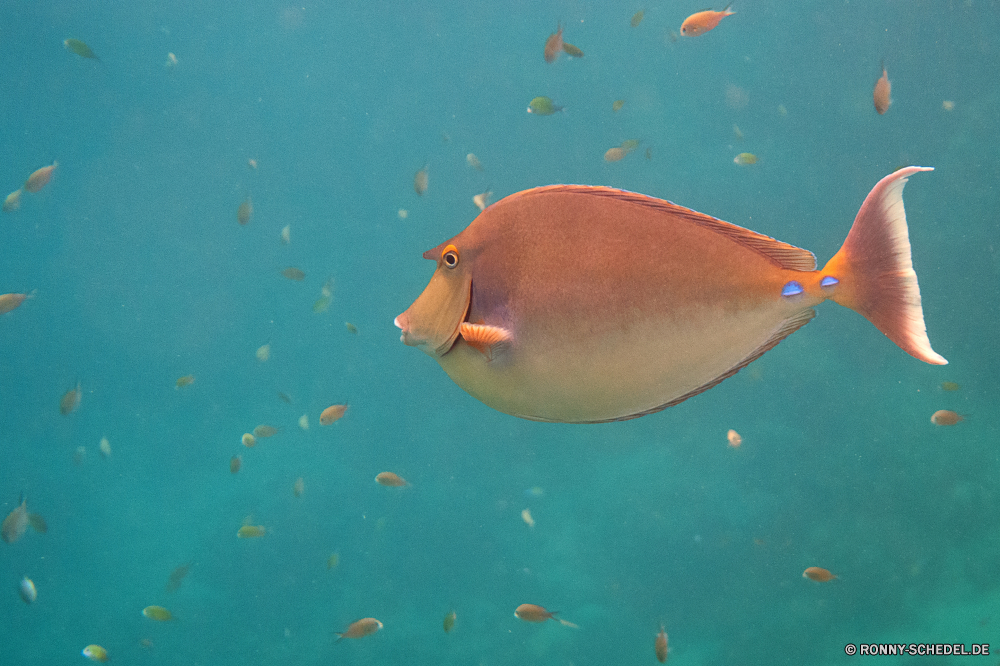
(38, 523)
(483, 337)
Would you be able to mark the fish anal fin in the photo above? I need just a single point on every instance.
(783, 255)
(483, 337)
(38, 523)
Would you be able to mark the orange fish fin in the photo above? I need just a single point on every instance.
(782, 254)
(38, 523)
(483, 338)
(787, 327)
(875, 273)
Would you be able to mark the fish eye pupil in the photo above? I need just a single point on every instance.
(450, 256)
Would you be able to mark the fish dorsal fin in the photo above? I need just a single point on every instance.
(781, 254)
(786, 328)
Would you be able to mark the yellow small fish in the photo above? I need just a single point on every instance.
(13, 201)
(251, 531)
(333, 561)
(80, 48)
(105, 447)
(286, 234)
(617, 105)
(526, 517)
(571, 50)
(70, 401)
(158, 613)
(186, 380)
(264, 431)
(332, 414)
(248, 440)
(543, 106)
(482, 200)
(95, 653)
(474, 162)
(449, 622)
(244, 212)
(420, 181)
(949, 386)
(745, 159)
(390, 479)
(299, 487)
(293, 273)
(360, 628)
(614, 154)
(637, 18)
(304, 422)
(10, 302)
(263, 353)
(351, 328)
(628, 145)
(322, 304)
(171, 61)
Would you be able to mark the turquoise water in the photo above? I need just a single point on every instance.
(143, 275)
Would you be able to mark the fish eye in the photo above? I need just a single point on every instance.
(450, 256)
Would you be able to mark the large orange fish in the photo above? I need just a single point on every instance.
(554, 45)
(582, 304)
(701, 22)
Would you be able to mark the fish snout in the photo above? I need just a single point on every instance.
(402, 322)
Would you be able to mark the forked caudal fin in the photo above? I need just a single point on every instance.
(873, 272)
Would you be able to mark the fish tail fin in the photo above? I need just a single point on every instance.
(873, 274)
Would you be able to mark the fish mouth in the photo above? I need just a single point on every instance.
(407, 338)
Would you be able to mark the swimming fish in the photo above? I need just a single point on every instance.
(351, 328)
(449, 622)
(286, 234)
(526, 517)
(661, 646)
(299, 487)
(251, 531)
(628, 145)
(617, 105)
(105, 447)
(333, 561)
(543, 106)
(534, 613)
(158, 613)
(13, 201)
(248, 440)
(474, 162)
(883, 87)
(26, 588)
(40, 178)
(542, 308)
(482, 200)
(949, 386)
(186, 380)
(614, 154)
(818, 574)
(263, 353)
(293, 273)
(745, 159)
(390, 479)
(95, 653)
(284, 397)
(701, 22)
(70, 400)
(637, 18)
(264, 431)
(332, 414)
(10, 302)
(554, 44)
(304, 422)
(360, 628)
(571, 50)
(734, 439)
(420, 180)
(244, 212)
(946, 417)
(177, 576)
(80, 48)
(17, 521)
(171, 61)
(235, 463)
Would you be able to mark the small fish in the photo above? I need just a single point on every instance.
(186, 380)
(949, 386)
(614, 154)
(737, 132)
(80, 48)
(79, 455)
(26, 588)
(244, 212)
(105, 447)
(351, 328)
(403, 213)
(293, 273)
(543, 106)
(286, 234)
(637, 18)
(535, 613)
(322, 304)
(10, 302)
(95, 653)
(745, 159)
(145, 644)
(299, 487)
(70, 401)
(304, 422)
(482, 200)
(390, 480)
(13, 201)
(285, 398)
(40, 178)
(333, 561)
(263, 353)
(554, 45)
(617, 105)
(534, 491)
(948, 105)
(628, 145)
(171, 61)
(264, 431)
(360, 629)
(449, 622)
(701, 22)
(571, 50)
(235, 463)
(251, 531)
(474, 162)
(526, 517)
(734, 439)
(248, 440)
(661, 646)
(946, 417)
(332, 414)
(327, 288)
(420, 180)
(782, 111)
(177, 576)
(158, 613)
(883, 88)
(818, 574)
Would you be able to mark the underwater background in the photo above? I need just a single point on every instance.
(141, 275)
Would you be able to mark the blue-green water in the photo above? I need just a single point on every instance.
(143, 275)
